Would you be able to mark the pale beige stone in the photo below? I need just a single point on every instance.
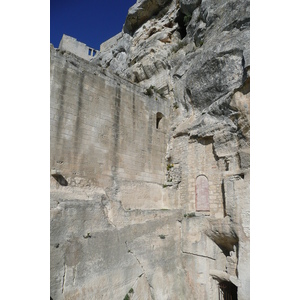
(131, 131)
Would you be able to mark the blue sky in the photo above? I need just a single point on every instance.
(91, 22)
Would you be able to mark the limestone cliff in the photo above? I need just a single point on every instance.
(150, 157)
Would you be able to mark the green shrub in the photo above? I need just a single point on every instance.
(187, 19)
(88, 235)
(127, 297)
(189, 215)
(170, 166)
(179, 46)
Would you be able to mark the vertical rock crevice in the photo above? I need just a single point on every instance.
(144, 273)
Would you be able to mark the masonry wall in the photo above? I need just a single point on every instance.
(107, 147)
(104, 135)
(110, 42)
(70, 44)
(196, 158)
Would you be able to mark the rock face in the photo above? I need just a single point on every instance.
(150, 157)
(141, 12)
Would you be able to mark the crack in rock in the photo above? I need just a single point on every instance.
(64, 277)
(142, 267)
(199, 255)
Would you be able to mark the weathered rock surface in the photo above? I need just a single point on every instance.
(165, 101)
(141, 12)
(91, 258)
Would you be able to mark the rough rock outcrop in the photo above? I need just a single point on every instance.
(141, 12)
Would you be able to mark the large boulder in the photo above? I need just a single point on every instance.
(208, 80)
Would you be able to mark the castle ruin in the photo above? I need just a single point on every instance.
(150, 157)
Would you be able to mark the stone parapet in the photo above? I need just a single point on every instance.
(71, 44)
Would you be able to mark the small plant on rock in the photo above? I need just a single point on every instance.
(189, 215)
(170, 166)
(88, 235)
(187, 19)
(127, 297)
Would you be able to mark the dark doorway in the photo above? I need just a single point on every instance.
(227, 291)
(159, 116)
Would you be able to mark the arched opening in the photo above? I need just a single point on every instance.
(202, 194)
(159, 117)
(227, 291)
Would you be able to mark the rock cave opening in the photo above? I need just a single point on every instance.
(227, 291)
(181, 19)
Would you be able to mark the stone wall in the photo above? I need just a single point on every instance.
(108, 159)
(104, 134)
(94, 258)
(110, 42)
(70, 44)
(195, 159)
